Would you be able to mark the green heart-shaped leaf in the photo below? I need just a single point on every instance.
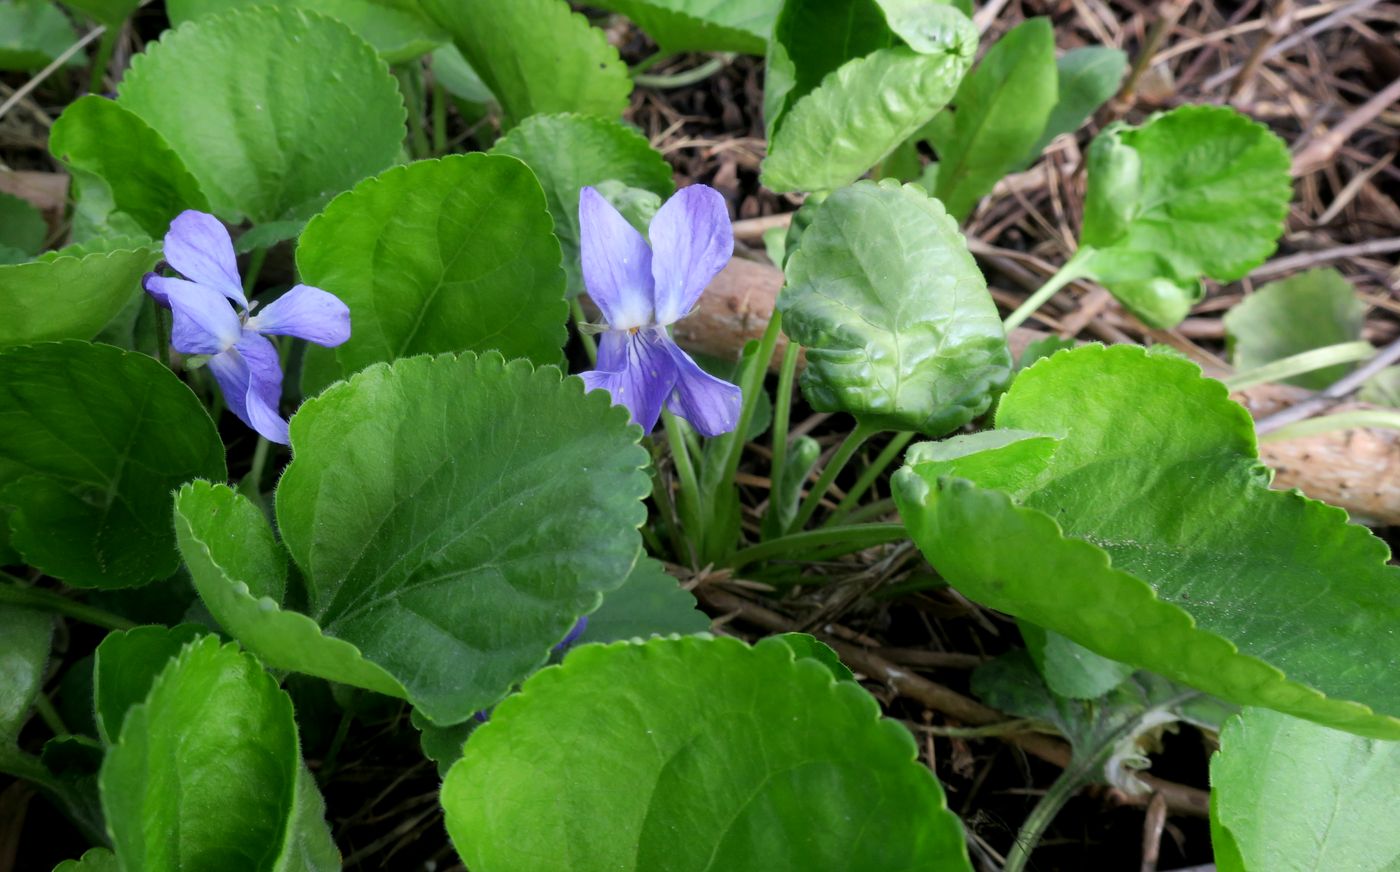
(1289, 794)
(679, 26)
(93, 441)
(695, 753)
(21, 226)
(442, 255)
(567, 152)
(1309, 310)
(536, 56)
(999, 112)
(1198, 191)
(95, 860)
(146, 179)
(232, 795)
(266, 147)
(649, 603)
(455, 541)
(398, 29)
(1152, 538)
(827, 135)
(895, 316)
(68, 297)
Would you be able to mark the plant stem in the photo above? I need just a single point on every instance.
(1067, 785)
(44, 706)
(1073, 269)
(255, 473)
(162, 328)
(1380, 418)
(858, 535)
(870, 510)
(1298, 364)
(869, 475)
(751, 383)
(253, 270)
(14, 592)
(647, 63)
(690, 484)
(410, 78)
(439, 118)
(782, 416)
(590, 347)
(833, 468)
(100, 61)
(689, 77)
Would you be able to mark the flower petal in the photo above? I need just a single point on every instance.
(691, 240)
(645, 377)
(710, 404)
(251, 378)
(306, 313)
(203, 323)
(199, 248)
(616, 262)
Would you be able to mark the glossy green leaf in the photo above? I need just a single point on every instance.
(805, 645)
(863, 110)
(68, 297)
(398, 29)
(811, 39)
(679, 26)
(21, 226)
(536, 56)
(895, 316)
(269, 148)
(695, 753)
(1000, 110)
(454, 254)
(112, 13)
(125, 666)
(95, 860)
(1288, 795)
(240, 572)
(33, 33)
(567, 152)
(1198, 191)
(456, 75)
(1087, 77)
(649, 603)
(96, 439)
(1310, 310)
(23, 658)
(146, 179)
(1158, 542)
(455, 542)
(231, 795)
(1006, 460)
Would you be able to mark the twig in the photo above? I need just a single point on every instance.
(1321, 150)
(1333, 393)
(1304, 260)
(1180, 798)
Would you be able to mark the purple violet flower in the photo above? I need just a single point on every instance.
(241, 357)
(641, 290)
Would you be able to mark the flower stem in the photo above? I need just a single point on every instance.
(1356, 418)
(253, 270)
(869, 475)
(833, 468)
(854, 536)
(16, 593)
(590, 347)
(690, 484)
(103, 58)
(439, 118)
(1073, 269)
(1067, 785)
(689, 77)
(782, 415)
(1298, 364)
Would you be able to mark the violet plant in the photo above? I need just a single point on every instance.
(475, 512)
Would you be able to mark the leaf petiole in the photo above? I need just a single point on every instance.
(1073, 269)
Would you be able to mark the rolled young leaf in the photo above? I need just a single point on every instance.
(232, 795)
(1152, 538)
(895, 316)
(695, 753)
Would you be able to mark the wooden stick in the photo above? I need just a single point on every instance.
(1358, 470)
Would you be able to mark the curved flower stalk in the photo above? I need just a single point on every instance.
(641, 289)
(243, 360)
